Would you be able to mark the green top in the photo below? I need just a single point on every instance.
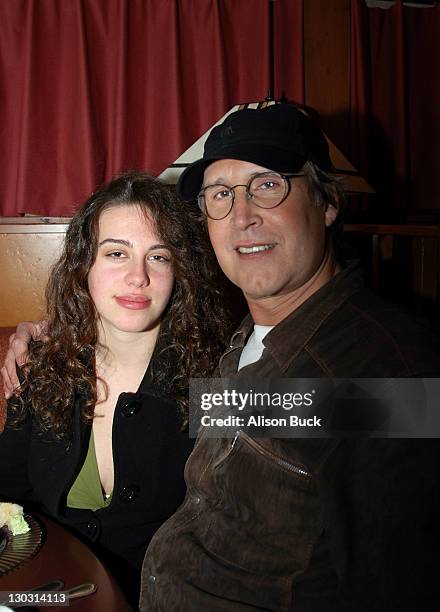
(86, 492)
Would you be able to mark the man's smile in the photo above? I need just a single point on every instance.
(254, 248)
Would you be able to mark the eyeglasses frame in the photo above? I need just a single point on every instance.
(249, 195)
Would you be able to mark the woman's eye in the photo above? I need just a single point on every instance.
(159, 258)
(116, 255)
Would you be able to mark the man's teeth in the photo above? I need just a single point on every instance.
(255, 249)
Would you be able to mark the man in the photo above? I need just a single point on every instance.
(310, 525)
(304, 525)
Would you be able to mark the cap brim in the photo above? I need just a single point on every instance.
(191, 179)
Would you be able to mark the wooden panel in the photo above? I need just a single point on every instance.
(38, 222)
(395, 230)
(25, 262)
(425, 253)
(25, 228)
(327, 65)
(404, 264)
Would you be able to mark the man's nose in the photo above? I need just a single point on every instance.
(137, 275)
(244, 213)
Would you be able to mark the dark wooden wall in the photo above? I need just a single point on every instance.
(327, 65)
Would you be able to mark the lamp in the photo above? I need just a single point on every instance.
(352, 181)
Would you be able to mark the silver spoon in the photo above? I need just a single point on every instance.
(81, 590)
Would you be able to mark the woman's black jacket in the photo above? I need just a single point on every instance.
(149, 453)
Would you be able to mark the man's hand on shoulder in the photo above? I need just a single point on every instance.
(17, 352)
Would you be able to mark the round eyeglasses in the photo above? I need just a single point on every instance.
(265, 190)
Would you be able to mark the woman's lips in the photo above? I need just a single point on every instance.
(133, 302)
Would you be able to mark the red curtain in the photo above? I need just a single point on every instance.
(395, 102)
(92, 87)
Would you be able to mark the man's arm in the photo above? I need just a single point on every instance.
(17, 353)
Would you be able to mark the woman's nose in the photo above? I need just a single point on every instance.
(137, 275)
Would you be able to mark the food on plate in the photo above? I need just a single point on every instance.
(11, 516)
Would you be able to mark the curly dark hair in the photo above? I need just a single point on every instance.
(193, 330)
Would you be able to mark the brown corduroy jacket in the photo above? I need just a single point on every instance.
(309, 525)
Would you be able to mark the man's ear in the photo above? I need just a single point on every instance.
(331, 212)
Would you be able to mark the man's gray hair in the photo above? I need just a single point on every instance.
(326, 188)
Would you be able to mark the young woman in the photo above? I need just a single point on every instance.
(96, 434)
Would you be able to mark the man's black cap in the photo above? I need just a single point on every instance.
(278, 137)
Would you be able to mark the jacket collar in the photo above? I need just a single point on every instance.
(306, 320)
(163, 358)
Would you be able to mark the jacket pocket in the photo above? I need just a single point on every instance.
(278, 459)
(259, 532)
